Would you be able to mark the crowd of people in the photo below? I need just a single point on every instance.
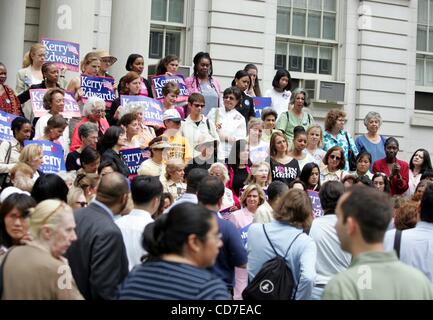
(223, 189)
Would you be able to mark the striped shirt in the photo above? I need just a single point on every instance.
(171, 281)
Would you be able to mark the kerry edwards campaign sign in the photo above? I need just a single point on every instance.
(62, 53)
(315, 201)
(101, 87)
(152, 110)
(261, 103)
(5, 126)
(70, 110)
(133, 158)
(158, 82)
(53, 155)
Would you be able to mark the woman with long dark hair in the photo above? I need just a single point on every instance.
(238, 165)
(181, 245)
(110, 145)
(418, 164)
(310, 176)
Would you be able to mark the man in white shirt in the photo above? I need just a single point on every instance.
(146, 194)
(416, 244)
(331, 259)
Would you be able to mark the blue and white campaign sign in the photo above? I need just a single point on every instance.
(159, 81)
(315, 201)
(6, 119)
(244, 234)
(102, 87)
(70, 110)
(261, 103)
(53, 155)
(133, 159)
(152, 109)
(62, 53)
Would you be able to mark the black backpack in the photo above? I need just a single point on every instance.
(274, 281)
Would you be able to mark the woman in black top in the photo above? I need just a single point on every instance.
(110, 145)
(283, 167)
(239, 166)
(245, 107)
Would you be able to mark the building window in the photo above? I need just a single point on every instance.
(167, 30)
(424, 101)
(305, 58)
(306, 35)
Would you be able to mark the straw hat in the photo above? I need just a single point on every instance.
(103, 54)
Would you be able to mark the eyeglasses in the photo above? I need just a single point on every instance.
(198, 105)
(333, 157)
(98, 111)
(81, 203)
(229, 98)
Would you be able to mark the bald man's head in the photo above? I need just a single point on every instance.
(112, 187)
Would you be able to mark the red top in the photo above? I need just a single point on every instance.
(396, 186)
(76, 141)
(9, 102)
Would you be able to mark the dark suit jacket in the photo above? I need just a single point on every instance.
(112, 156)
(98, 257)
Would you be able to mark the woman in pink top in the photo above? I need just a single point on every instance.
(251, 199)
(203, 82)
(135, 63)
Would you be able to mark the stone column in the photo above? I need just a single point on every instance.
(130, 32)
(69, 20)
(12, 23)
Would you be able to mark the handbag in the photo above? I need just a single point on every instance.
(351, 155)
(4, 177)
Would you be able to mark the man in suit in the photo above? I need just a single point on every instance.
(98, 258)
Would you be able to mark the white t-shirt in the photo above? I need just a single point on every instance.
(280, 100)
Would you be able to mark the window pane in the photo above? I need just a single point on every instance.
(155, 46)
(172, 43)
(283, 21)
(329, 26)
(325, 61)
(295, 57)
(329, 5)
(310, 59)
(314, 24)
(315, 4)
(424, 101)
(300, 4)
(421, 38)
(431, 13)
(430, 39)
(309, 86)
(159, 10)
(298, 23)
(428, 72)
(175, 11)
(285, 3)
(419, 76)
(280, 55)
(422, 11)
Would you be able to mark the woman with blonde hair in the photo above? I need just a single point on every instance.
(259, 149)
(88, 182)
(52, 227)
(292, 218)
(89, 66)
(33, 155)
(315, 143)
(32, 68)
(22, 177)
(260, 174)
(77, 198)
(172, 181)
(252, 198)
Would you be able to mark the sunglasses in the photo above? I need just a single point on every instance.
(198, 105)
(229, 98)
(333, 157)
(82, 203)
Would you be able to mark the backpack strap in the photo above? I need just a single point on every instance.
(208, 125)
(1, 271)
(266, 234)
(8, 153)
(397, 242)
(292, 244)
